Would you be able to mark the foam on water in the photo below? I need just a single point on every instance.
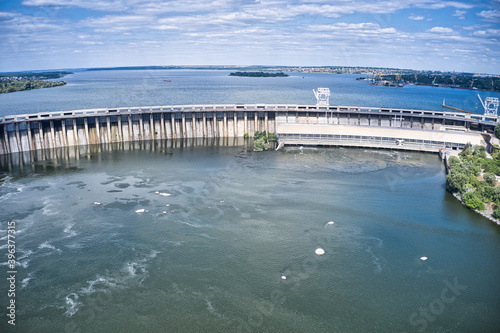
(68, 230)
(25, 281)
(72, 304)
(132, 273)
(47, 245)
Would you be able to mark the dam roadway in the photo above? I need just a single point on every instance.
(376, 127)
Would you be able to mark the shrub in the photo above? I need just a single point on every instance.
(456, 181)
(496, 212)
(479, 151)
(471, 200)
(497, 131)
(490, 178)
(260, 144)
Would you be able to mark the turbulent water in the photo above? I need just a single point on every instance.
(223, 225)
(212, 237)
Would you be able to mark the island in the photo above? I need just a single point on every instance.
(12, 82)
(258, 74)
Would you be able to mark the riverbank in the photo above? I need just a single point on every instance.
(472, 178)
(13, 82)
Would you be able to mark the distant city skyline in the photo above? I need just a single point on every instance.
(462, 36)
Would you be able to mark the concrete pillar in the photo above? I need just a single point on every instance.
(130, 129)
(6, 138)
(52, 134)
(141, 128)
(18, 139)
(87, 133)
(266, 124)
(152, 129)
(172, 124)
(204, 126)
(193, 126)
(215, 127)
(255, 124)
(183, 124)
(162, 126)
(120, 129)
(65, 135)
(30, 140)
(98, 129)
(108, 125)
(76, 137)
(41, 135)
(225, 130)
(245, 122)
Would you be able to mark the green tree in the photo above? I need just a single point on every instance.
(472, 200)
(456, 181)
(496, 213)
(490, 178)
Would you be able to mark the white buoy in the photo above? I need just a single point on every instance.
(319, 251)
(283, 277)
(97, 203)
(157, 192)
(142, 210)
(423, 258)
(164, 194)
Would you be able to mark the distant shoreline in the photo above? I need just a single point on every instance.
(14, 82)
(258, 74)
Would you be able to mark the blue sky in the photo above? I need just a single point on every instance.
(418, 34)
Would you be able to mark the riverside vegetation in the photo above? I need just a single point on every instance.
(261, 140)
(472, 178)
(13, 82)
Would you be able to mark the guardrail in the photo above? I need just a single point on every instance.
(247, 107)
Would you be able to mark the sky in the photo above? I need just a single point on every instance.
(461, 36)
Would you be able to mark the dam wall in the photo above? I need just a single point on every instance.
(293, 124)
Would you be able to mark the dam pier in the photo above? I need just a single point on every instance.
(323, 125)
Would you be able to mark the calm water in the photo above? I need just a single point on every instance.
(210, 256)
(98, 89)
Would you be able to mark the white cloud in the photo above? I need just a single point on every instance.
(490, 15)
(460, 14)
(441, 30)
(416, 17)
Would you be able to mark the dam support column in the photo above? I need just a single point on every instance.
(98, 129)
(204, 125)
(235, 123)
(64, 133)
(225, 131)
(141, 128)
(266, 123)
(162, 126)
(52, 134)
(108, 125)
(30, 139)
(120, 129)
(76, 138)
(245, 122)
(183, 124)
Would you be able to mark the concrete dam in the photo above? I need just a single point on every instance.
(355, 126)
